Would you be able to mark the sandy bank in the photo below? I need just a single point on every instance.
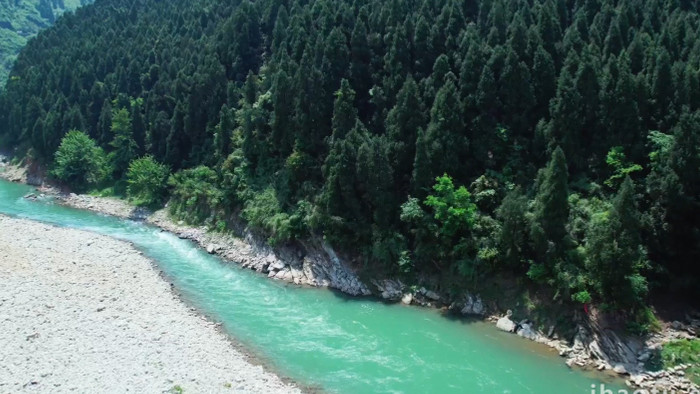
(86, 313)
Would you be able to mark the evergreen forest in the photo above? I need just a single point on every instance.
(20, 20)
(552, 141)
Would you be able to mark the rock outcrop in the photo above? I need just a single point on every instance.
(473, 305)
(312, 263)
(389, 289)
(505, 324)
(526, 330)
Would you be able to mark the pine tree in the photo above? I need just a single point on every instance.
(124, 146)
(336, 60)
(513, 235)
(551, 211)
(402, 126)
(360, 71)
(224, 133)
(104, 126)
(424, 48)
(344, 112)
(340, 199)
(282, 113)
(444, 138)
(615, 256)
(516, 94)
(662, 90)
(421, 175)
(543, 82)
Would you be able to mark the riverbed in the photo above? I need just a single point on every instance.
(87, 313)
(324, 339)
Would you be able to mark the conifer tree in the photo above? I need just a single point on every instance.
(513, 234)
(344, 112)
(282, 113)
(124, 145)
(445, 139)
(551, 211)
(402, 126)
(615, 256)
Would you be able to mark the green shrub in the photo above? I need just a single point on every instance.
(79, 162)
(683, 351)
(264, 213)
(643, 321)
(583, 297)
(147, 181)
(538, 272)
(195, 196)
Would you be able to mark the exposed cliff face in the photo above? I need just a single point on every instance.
(312, 263)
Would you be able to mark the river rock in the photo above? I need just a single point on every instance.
(620, 369)
(212, 248)
(473, 306)
(527, 331)
(644, 356)
(389, 289)
(284, 274)
(34, 180)
(505, 324)
(429, 294)
(407, 299)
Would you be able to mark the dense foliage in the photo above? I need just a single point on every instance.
(147, 180)
(79, 161)
(555, 140)
(20, 20)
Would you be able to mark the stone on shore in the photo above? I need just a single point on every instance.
(505, 324)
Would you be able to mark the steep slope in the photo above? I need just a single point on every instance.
(20, 20)
(445, 142)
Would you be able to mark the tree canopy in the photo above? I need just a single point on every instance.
(335, 117)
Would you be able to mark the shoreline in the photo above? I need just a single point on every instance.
(591, 350)
(249, 355)
(82, 297)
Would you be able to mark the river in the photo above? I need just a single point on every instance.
(324, 339)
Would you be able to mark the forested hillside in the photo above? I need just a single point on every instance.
(21, 20)
(556, 141)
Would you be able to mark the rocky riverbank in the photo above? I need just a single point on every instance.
(86, 313)
(595, 345)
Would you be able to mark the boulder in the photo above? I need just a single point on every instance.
(390, 289)
(34, 180)
(473, 306)
(212, 248)
(620, 369)
(285, 275)
(505, 324)
(430, 294)
(407, 299)
(527, 331)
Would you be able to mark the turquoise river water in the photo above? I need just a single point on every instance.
(325, 340)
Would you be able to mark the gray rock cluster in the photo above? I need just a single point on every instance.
(314, 263)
